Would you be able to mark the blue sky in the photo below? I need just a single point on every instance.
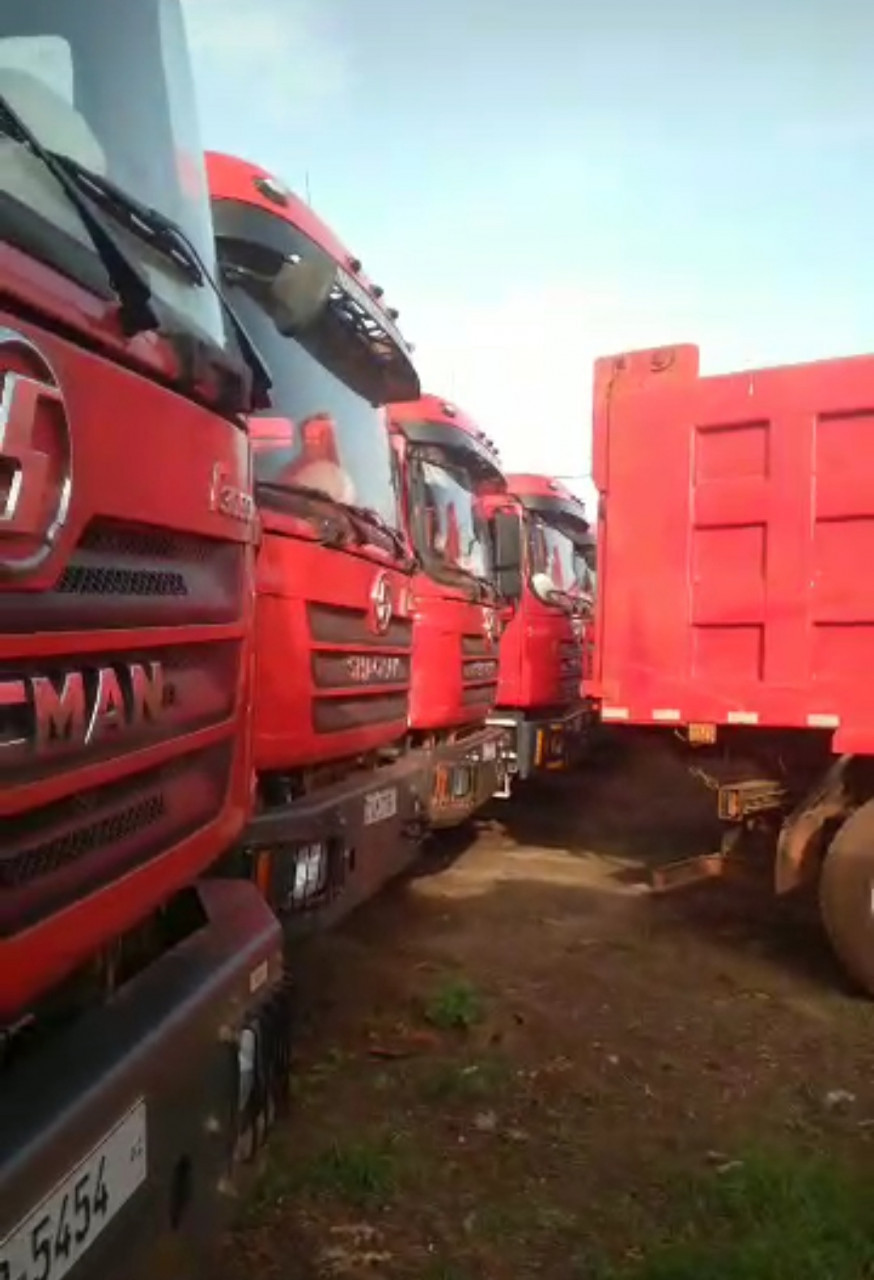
(538, 182)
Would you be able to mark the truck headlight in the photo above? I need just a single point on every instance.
(310, 872)
(247, 1049)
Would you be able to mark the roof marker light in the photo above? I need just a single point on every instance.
(272, 189)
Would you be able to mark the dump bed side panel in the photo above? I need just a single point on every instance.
(737, 519)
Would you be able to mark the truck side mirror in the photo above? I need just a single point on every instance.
(507, 538)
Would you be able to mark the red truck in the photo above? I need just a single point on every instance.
(341, 794)
(446, 467)
(135, 994)
(737, 513)
(543, 537)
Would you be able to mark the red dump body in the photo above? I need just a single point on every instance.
(456, 625)
(736, 527)
(541, 647)
(333, 632)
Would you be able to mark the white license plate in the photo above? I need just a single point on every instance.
(48, 1243)
(490, 750)
(378, 806)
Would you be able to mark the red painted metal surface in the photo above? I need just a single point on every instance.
(736, 524)
(456, 626)
(231, 178)
(104, 834)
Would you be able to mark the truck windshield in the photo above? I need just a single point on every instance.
(553, 553)
(106, 85)
(448, 526)
(324, 387)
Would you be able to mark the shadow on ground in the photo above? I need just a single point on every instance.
(513, 1064)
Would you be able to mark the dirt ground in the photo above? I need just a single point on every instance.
(518, 1063)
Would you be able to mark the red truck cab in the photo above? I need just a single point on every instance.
(339, 805)
(126, 546)
(447, 467)
(541, 527)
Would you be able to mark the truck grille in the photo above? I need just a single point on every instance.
(571, 657)
(62, 851)
(59, 851)
(134, 576)
(62, 838)
(479, 672)
(361, 680)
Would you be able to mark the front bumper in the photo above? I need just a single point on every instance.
(466, 774)
(158, 1069)
(320, 856)
(542, 742)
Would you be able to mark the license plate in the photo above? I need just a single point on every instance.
(48, 1243)
(378, 806)
(490, 750)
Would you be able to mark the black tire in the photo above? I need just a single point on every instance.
(846, 896)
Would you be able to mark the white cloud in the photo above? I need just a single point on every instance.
(268, 59)
(522, 365)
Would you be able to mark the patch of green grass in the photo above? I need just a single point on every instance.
(463, 1081)
(360, 1172)
(776, 1217)
(446, 1269)
(455, 1005)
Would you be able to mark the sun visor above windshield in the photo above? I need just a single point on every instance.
(475, 454)
(568, 516)
(276, 251)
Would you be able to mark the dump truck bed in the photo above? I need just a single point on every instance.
(736, 544)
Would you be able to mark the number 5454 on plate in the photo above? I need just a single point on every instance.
(48, 1242)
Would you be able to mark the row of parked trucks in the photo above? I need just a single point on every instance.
(268, 616)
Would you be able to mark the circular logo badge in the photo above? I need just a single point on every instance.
(380, 604)
(36, 455)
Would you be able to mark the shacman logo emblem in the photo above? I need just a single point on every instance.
(380, 604)
(36, 462)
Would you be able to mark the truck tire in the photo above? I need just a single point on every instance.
(846, 896)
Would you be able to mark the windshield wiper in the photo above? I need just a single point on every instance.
(333, 537)
(373, 517)
(141, 219)
(301, 490)
(137, 314)
(168, 238)
(480, 589)
(355, 515)
(84, 188)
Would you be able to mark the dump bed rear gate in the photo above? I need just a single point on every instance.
(737, 544)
